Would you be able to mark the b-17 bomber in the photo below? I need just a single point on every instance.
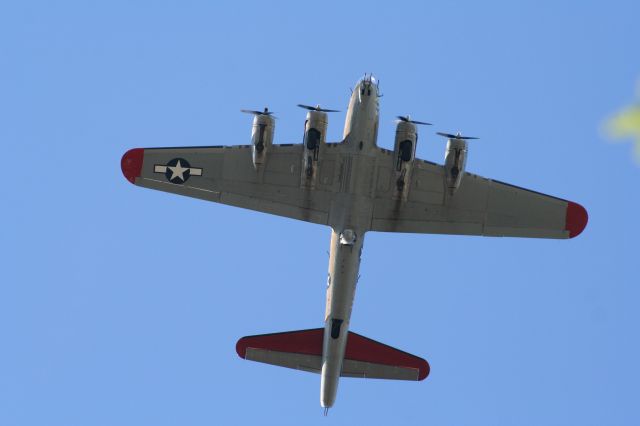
(353, 186)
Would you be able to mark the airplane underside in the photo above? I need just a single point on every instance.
(353, 186)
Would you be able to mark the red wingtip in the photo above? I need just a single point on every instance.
(131, 164)
(425, 369)
(577, 219)
(241, 348)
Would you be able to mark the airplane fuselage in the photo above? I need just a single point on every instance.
(350, 210)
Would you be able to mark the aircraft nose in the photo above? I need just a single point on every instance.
(368, 86)
(368, 79)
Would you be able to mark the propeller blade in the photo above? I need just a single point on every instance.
(456, 136)
(254, 112)
(408, 120)
(317, 108)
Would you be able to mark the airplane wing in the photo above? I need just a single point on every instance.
(480, 206)
(225, 174)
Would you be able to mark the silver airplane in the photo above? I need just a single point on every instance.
(353, 186)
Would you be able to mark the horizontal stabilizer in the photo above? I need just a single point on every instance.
(302, 350)
(369, 359)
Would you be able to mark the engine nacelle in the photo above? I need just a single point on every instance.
(455, 160)
(404, 153)
(261, 138)
(315, 134)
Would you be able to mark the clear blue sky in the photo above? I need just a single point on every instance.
(122, 306)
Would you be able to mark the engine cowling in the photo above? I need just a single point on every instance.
(455, 160)
(261, 138)
(315, 134)
(404, 154)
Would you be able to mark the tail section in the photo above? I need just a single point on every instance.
(368, 359)
(302, 350)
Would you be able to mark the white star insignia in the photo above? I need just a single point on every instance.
(177, 171)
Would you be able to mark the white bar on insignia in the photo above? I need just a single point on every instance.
(160, 169)
(195, 172)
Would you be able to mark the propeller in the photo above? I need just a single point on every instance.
(317, 108)
(254, 112)
(408, 119)
(456, 136)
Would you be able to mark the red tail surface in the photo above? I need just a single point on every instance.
(302, 350)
